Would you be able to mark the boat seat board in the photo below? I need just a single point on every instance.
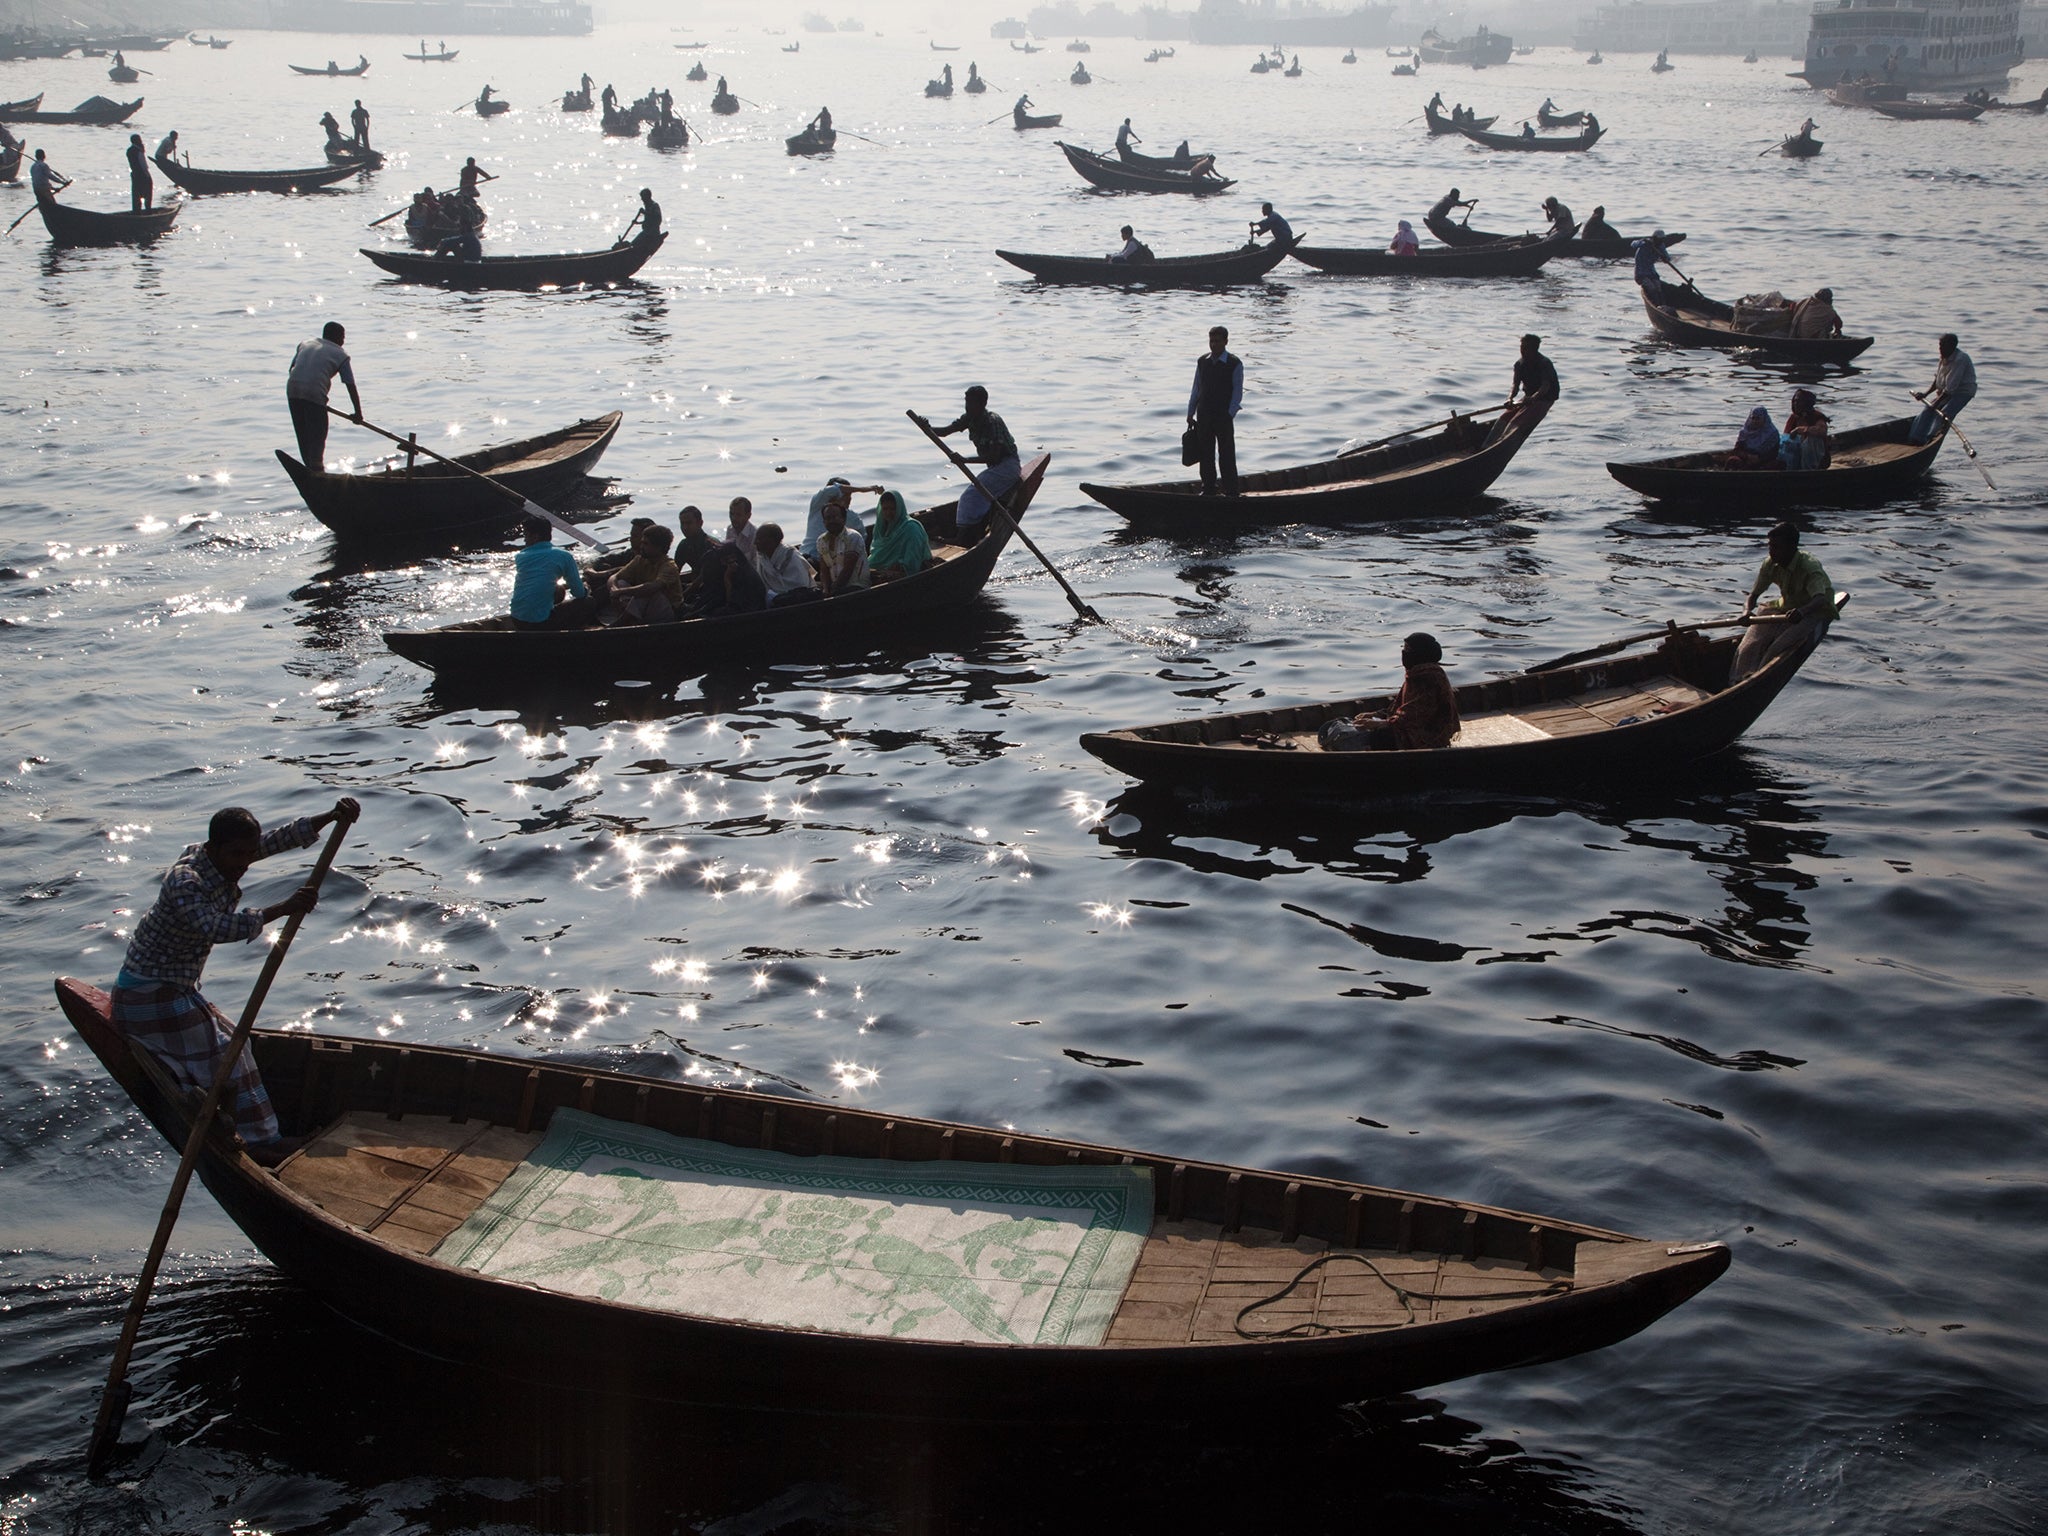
(1872, 453)
(412, 1181)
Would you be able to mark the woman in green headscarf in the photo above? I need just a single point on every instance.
(898, 546)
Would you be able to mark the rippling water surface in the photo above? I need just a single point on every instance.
(1790, 1000)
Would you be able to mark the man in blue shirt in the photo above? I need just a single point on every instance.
(540, 569)
(1212, 410)
(1272, 224)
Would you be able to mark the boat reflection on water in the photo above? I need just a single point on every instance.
(379, 1437)
(1745, 822)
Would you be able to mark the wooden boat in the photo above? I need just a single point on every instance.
(406, 502)
(331, 70)
(673, 134)
(812, 141)
(1416, 477)
(1180, 161)
(1218, 269)
(15, 111)
(1560, 119)
(1200, 179)
(1078, 46)
(575, 269)
(124, 74)
(1403, 69)
(795, 47)
(1929, 111)
(1800, 146)
(1439, 124)
(407, 1141)
(726, 105)
(1595, 58)
(348, 152)
(82, 226)
(447, 56)
(1621, 248)
(1024, 120)
(576, 101)
(1585, 139)
(1080, 76)
(194, 179)
(941, 89)
(1017, 47)
(489, 106)
(2038, 106)
(1868, 464)
(1704, 322)
(698, 72)
(487, 647)
(974, 85)
(1614, 718)
(439, 225)
(1663, 66)
(1865, 93)
(945, 47)
(622, 125)
(93, 112)
(1508, 258)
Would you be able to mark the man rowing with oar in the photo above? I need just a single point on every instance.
(314, 366)
(994, 447)
(157, 1002)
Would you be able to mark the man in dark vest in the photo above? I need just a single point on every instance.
(1212, 410)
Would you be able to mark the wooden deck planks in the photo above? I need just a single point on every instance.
(411, 1181)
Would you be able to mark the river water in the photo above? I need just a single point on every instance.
(1782, 1000)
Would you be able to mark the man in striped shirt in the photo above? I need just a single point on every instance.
(157, 1002)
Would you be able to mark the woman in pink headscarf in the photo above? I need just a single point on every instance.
(1405, 243)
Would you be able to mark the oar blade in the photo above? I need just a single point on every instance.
(106, 1430)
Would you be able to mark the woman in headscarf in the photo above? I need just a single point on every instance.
(898, 547)
(1405, 243)
(1803, 444)
(1756, 445)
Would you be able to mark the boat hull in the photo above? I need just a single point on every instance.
(493, 649)
(1866, 468)
(193, 179)
(102, 118)
(1621, 248)
(1114, 176)
(1217, 270)
(1577, 143)
(1713, 325)
(588, 269)
(1613, 1285)
(433, 502)
(83, 226)
(1509, 258)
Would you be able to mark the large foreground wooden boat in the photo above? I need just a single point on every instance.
(1416, 477)
(93, 112)
(587, 269)
(494, 649)
(1868, 464)
(1506, 258)
(1209, 1292)
(1705, 322)
(1614, 717)
(82, 226)
(1246, 264)
(404, 501)
(1114, 176)
(1620, 248)
(194, 179)
(1552, 144)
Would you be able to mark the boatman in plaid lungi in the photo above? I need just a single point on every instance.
(157, 1003)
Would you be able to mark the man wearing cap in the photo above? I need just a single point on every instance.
(835, 490)
(314, 366)
(1425, 713)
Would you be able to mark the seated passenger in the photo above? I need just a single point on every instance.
(1425, 712)
(739, 525)
(1132, 246)
(901, 547)
(1405, 243)
(540, 572)
(649, 588)
(731, 584)
(1803, 443)
(695, 546)
(783, 571)
(1815, 318)
(1528, 130)
(1756, 445)
(842, 554)
(1597, 231)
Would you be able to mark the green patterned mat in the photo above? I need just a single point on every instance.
(957, 1252)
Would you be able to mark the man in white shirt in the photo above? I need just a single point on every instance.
(1133, 249)
(313, 368)
(782, 568)
(842, 553)
(1954, 386)
(836, 489)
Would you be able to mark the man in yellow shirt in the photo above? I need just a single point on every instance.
(1806, 609)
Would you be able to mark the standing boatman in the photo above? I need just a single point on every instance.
(40, 174)
(1535, 381)
(1649, 253)
(994, 447)
(314, 366)
(1954, 386)
(360, 121)
(1213, 405)
(141, 190)
(1272, 224)
(471, 174)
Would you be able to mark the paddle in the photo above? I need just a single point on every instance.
(114, 1398)
(394, 213)
(1432, 427)
(25, 213)
(999, 509)
(533, 508)
(866, 140)
(1949, 421)
(994, 120)
(1573, 658)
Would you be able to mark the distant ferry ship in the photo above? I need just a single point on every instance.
(1923, 45)
(434, 18)
(1479, 50)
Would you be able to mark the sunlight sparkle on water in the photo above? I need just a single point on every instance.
(1108, 913)
(851, 1076)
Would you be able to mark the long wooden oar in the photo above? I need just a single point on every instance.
(1490, 410)
(998, 508)
(24, 214)
(533, 508)
(866, 140)
(994, 120)
(1573, 658)
(1949, 422)
(106, 1429)
(394, 213)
